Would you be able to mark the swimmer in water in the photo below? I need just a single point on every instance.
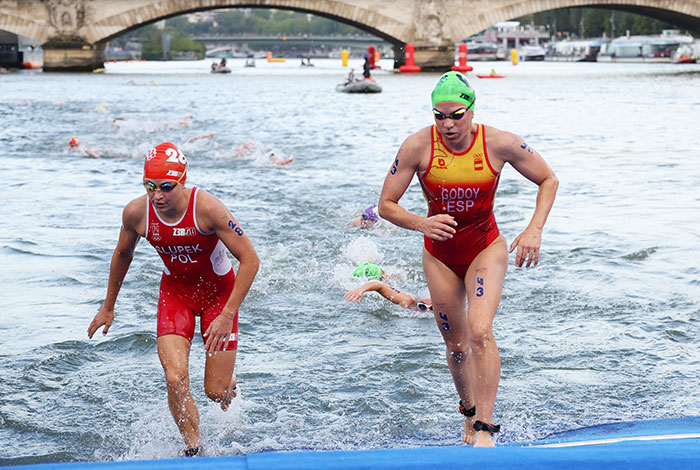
(205, 136)
(376, 275)
(75, 143)
(251, 147)
(368, 219)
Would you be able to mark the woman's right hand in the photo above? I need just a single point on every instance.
(355, 295)
(104, 317)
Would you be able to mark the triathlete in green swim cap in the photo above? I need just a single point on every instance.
(465, 258)
(376, 276)
(369, 271)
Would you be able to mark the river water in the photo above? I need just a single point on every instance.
(605, 329)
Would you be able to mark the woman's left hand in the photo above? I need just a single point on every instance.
(528, 244)
(218, 334)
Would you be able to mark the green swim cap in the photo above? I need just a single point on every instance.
(454, 86)
(368, 270)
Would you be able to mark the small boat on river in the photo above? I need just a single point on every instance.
(493, 74)
(367, 85)
(220, 67)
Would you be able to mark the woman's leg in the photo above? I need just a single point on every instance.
(447, 292)
(174, 353)
(219, 381)
(484, 284)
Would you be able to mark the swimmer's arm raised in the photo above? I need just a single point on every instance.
(121, 260)
(405, 165)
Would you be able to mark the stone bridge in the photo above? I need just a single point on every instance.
(74, 32)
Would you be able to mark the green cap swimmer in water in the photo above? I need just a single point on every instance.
(368, 271)
(453, 86)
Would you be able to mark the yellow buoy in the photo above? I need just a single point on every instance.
(344, 55)
(514, 56)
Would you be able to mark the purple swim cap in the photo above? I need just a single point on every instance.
(371, 213)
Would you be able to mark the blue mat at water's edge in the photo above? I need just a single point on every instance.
(665, 443)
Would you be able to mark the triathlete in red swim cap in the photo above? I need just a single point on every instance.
(458, 164)
(191, 230)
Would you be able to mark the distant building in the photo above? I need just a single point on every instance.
(512, 35)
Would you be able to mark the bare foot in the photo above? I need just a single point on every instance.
(484, 439)
(468, 436)
(232, 392)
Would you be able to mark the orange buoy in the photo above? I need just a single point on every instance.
(32, 64)
(410, 65)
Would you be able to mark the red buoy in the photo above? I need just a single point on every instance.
(410, 65)
(462, 67)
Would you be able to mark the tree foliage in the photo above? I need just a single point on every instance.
(595, 22)
(265, 22)
(179, 43)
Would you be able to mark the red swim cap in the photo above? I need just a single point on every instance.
(166, 162)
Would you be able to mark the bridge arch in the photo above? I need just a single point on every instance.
(378, 24)
(684, 13)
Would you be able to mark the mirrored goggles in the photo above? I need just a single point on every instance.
(455, 115)
(165, 187)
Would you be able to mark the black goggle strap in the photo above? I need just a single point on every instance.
(481, 426)
(467, 412)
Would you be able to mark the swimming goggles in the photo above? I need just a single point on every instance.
(455, 115)
(165, 187)
(422, 306)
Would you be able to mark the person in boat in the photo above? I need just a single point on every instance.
(351, 77)
(366, 67)
(367, 219)
(191, 231)
(465, 258)
(223, 62)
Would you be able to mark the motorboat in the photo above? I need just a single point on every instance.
(366, 85)
(684, 55)
(216, 68)
(657, 48)
(220, 67)
(481, 51)
(585, 50)
(531, 52)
